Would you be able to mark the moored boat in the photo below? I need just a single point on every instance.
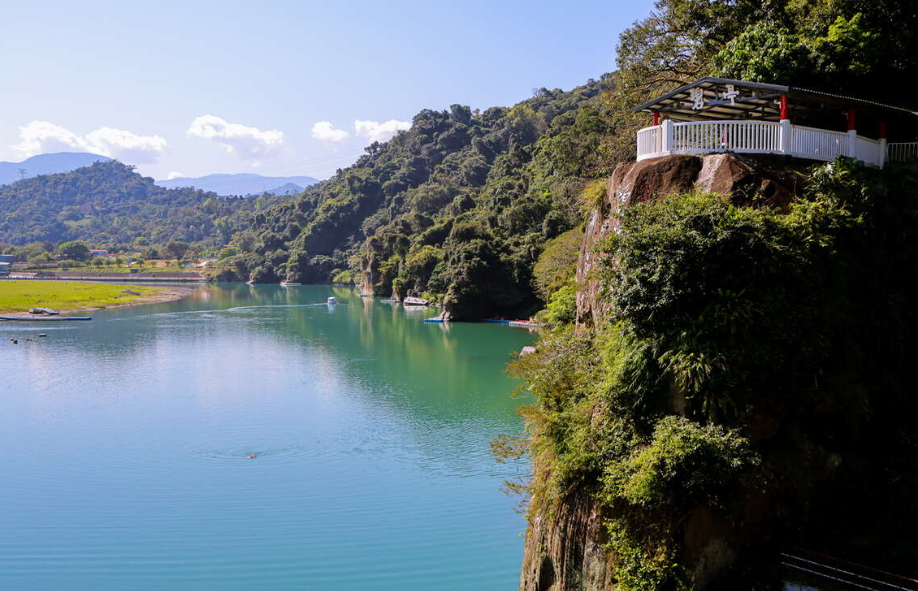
(332, 301)
(412, 301)
(45, 318)
(289, 283)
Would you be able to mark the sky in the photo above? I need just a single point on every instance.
(280, 88)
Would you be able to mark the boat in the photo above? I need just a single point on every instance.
(390, 301)
(332, 301)
(45, 318)
(47, 311)
(436, 319)
(523, 324)
(412, 301)
(289, 283)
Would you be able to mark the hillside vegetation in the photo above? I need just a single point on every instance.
(751, 386)
(108, 204)
(460, 206)
(457, 207)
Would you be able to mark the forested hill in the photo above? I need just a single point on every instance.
(109, 204)
(458, 206)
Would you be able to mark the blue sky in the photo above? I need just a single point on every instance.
(275, 87)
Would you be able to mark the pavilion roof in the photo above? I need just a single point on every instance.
(755, 100)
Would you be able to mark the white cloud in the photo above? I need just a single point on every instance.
(174, 175)
(249, 143)
(380, 132)
(126, 146)
(40, 137)
(325, 131)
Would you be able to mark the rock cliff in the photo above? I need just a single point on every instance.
(566, 550)
(771, 179)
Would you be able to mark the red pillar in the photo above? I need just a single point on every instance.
(784, 114)
(882, 130)
(852, 124)
(656, 118)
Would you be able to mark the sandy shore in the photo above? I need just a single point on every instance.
(169, 294)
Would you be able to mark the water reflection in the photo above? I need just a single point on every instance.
(126, 442)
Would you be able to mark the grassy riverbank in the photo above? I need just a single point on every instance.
(19, 296)
(111, 270)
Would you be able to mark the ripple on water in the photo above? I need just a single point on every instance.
(238, 443)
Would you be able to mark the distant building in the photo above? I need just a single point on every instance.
(5, 268)
(7, 258)
(98, 252)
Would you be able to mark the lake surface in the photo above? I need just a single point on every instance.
(124, 444)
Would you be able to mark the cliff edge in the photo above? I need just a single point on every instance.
(566, 547)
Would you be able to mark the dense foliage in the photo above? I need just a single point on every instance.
(108, 204)
(865, 48)
(750, 353)
(458, 207)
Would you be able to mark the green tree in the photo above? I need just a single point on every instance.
(176, 249)
(76, 250)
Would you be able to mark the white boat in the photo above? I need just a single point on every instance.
(412, 301)
(289, 283)
(332, 301)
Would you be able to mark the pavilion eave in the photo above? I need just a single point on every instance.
(753, 100)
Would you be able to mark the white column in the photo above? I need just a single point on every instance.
(785, 139)
(882, 151)
(667, 136)
(852, 143)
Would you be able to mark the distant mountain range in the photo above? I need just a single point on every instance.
(242, 183)
(221, 184)
(46, 164)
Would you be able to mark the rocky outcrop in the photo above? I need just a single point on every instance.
(772, 179)
(566, 549)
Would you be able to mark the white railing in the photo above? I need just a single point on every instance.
(868, 150)
(650, 141)
(726, 136)
(818, 144)
(766, 137)
(902, 151)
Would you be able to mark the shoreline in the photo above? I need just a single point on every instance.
(170, 294)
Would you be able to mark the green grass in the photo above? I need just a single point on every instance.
(19, 296)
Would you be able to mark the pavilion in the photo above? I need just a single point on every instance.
(723, 115)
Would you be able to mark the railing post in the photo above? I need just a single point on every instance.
(882, 143)
(784, 140)
(667, 136)
(852, 133)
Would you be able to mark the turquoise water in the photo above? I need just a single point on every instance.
(124, 444)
